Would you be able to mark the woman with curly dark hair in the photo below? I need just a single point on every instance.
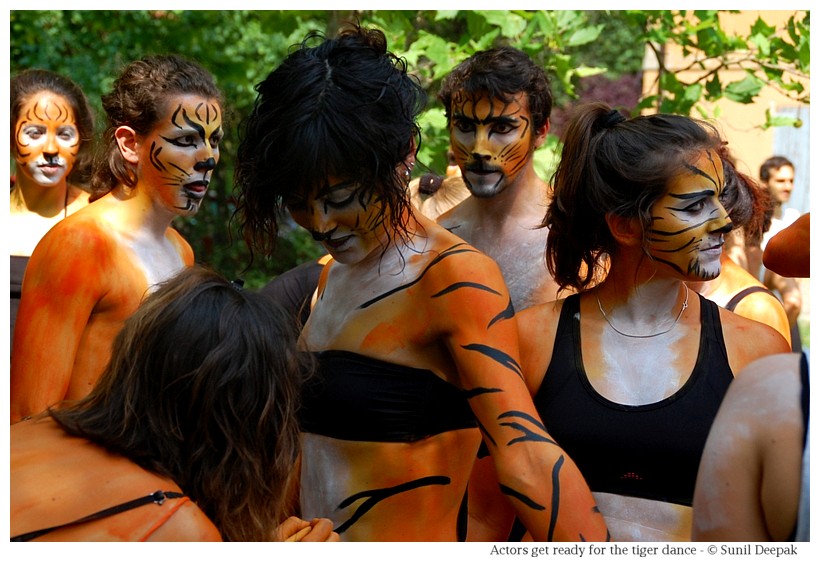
(412, 328)
(190, 434)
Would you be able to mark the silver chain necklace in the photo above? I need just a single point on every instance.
(669, 329)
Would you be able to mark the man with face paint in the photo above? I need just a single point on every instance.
(52, 125)
(629, 373)
(498, 104)
(91, 271)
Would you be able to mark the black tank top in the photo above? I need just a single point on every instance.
(648, 451)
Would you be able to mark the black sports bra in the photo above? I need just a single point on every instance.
(359, 398)
(649, 451)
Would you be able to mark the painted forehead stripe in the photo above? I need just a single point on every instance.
(211, 112)
(62, 114)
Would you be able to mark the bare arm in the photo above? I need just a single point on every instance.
(787, 253)
(60, 291)
(748, 483)
(543, 485)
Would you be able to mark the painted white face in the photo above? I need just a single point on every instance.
(492, 141)
(689, 221)
(178, 157)
(345, 221)
(46, 139)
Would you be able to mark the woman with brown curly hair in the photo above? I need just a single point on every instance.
(89, 273)
(191, 433)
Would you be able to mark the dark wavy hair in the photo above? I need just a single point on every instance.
(773, 163)
(500, 73)
(203, 387)
(139, 99)
(746, 201)
(610, 164)
(346, 108)
(33, 81)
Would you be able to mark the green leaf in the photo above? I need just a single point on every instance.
(744, 91)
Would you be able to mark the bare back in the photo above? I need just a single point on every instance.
(84, 280)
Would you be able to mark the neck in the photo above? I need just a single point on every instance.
(47, 201)
(136, 212)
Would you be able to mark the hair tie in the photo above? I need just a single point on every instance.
(611, 119)
(238, 284)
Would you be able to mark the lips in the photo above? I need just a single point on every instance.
(196, 189)
(337, 243)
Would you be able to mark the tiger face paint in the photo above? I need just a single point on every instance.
(688, 223)
(178, 157)
(46, 139)
(343, 217)
(492, 140)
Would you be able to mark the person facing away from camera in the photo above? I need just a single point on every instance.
(190, 435)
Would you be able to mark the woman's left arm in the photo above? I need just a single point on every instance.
(543, 484)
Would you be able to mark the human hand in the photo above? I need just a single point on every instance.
(294, 529)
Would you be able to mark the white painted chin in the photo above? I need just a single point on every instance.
(46, 176)
(484, 185)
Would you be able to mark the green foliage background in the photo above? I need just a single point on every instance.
(240, 47)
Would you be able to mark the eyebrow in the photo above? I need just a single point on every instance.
(328, 189)
(500, 119)
(697, 194)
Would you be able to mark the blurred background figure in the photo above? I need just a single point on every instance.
(52, 130)
(777, 173)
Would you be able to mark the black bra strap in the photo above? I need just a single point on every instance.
(735, 300)
(157, 497)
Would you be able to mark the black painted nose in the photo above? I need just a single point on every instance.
(208, 164)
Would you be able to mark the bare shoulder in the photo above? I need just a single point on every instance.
(456, 218)
(540, 316)
(747, 340)
(189, 523)
(80, 234)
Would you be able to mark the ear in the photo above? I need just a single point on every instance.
(625, 231)
(128, 144)
(410, 159)
(541, 134)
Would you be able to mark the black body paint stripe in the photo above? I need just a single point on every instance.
(446, 253)
(496, 355)
(375, 496)
(505, 314)
(463, 285)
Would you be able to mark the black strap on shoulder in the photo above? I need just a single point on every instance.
(735, 300)
(804, 395)
(157, 497)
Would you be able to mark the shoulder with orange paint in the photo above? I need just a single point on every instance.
(91, 479)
